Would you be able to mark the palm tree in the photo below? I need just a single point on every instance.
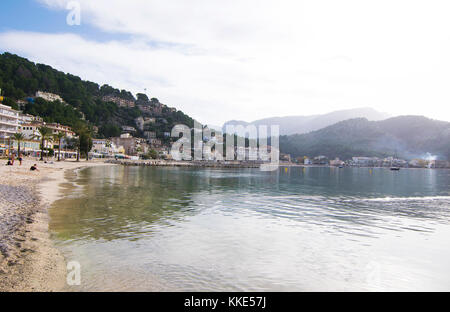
(19, 137)
(84, 140)
(58, 137)
(108, 145)
(88, 140)
(74, 143)
(46, 135)
(77, 144)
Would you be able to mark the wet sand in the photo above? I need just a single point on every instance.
(28, 259)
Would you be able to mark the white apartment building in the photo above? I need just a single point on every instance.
(57, 128)
(103, 146)
(30, 131)
(27, 118)
(49, 96)
(9, 121)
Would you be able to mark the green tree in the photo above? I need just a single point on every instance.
(46, 135)
(58, 137)
(19, 137)
(153, 154)
(109, 131)
(74, 144)
(84, 141)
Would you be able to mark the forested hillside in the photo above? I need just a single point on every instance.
(290, 125)
(405, 136)
(20, 79)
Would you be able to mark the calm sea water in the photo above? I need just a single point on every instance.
(312, 229)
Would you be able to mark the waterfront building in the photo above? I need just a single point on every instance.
(367, 161)
(25, 118)
(418, 163)
(30, 130)
(438, 164)
(27, 147)
(127, 142)
(9, 121)
(58, 128)
(336, 162)
(320, 160)
(104, 147)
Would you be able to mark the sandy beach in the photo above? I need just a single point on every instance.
(28, 259)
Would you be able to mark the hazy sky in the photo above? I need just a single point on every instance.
(248, 59)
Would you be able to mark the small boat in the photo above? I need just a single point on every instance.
(395, 168)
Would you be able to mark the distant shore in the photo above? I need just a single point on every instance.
(231, 164)
(28, 259)
(173, 163)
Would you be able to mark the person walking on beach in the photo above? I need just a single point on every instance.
(20, 159)
(12, 159)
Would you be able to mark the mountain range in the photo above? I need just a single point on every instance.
(404, 136)
(304, 124)
(343, 134)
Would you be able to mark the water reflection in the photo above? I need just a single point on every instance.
(295, 229)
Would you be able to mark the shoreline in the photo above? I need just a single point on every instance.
(234, 164)
(29, 261)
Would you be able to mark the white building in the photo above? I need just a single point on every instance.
(57, 128)
(30, 130)
(49, 96)
(150, 135)
(307, 161)
(103, 146)
(128, 129)
(9, 121)
(27, 118)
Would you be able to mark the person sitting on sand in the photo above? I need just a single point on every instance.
(9, 163)
(34, 168)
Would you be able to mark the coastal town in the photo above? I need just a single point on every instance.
(377, 162)
(221, 155)
(21, 133)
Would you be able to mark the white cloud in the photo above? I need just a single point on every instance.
(250, 59)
